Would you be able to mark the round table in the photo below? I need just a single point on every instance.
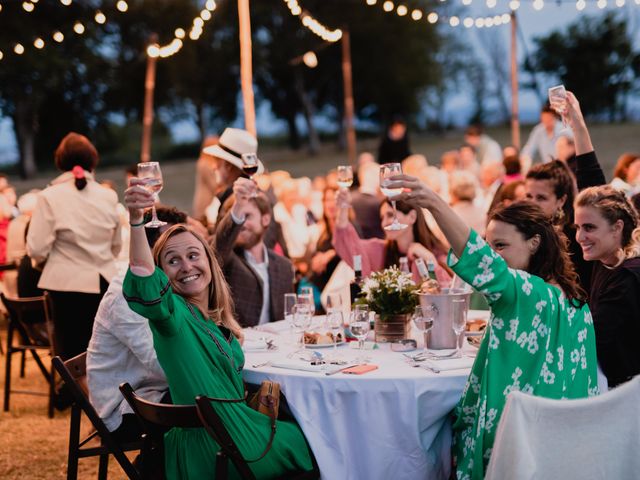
(389, 423)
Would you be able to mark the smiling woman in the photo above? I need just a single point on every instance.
(182, 291)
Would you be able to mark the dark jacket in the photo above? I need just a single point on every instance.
(245, 283)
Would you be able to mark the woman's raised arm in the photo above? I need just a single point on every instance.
(137, 199)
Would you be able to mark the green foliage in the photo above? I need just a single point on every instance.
(593, 58)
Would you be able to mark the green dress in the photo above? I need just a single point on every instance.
(536, 342)
(199, 359)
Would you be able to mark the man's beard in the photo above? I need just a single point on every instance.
(249, 239)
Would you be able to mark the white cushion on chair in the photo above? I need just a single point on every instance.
(594, 438)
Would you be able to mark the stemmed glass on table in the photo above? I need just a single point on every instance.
(290, 300)
(423, 319)
(386, 171)
(334, 318)
(459, 323)
(250, 167)
(302, 320)
(306, 296)
(151, 174)
(359, 326)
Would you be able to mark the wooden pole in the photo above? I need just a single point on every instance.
(147, 115)
(246, 74)
(515, 116)
(348, 97)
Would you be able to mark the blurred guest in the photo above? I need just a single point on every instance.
(627, 172)
(363, 159)
(469, 160)
(394, 146)
(415, 164)
(414, 241)
(510, 150)
(366, 201)
(541, 145)
(462, 192)
(256, 274)
(121, 350)
(487, 149)
(491, 180)
(291, 214)
(512, 168)
(607, 230)
(206, 186)
(566, 152)
(510, 193)
(75, 229)
(450, 161)
(9, 193)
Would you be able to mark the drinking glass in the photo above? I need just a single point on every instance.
(335, 323)
(306, 296)
(459, 323)
(302, 320)
(345, 176)
(152, 175)
(558, 101)
(290, 300)
(423, 319)
(250, 167)
(386, 171)
(360, 326)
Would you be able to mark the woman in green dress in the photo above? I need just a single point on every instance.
(181, 290)
(540, 337)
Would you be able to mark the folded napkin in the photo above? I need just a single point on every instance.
(294, 365)
(254, 345)
(450, 363)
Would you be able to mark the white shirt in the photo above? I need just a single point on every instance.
(262, 269)
(540, 145)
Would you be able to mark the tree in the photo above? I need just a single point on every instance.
(595, 59)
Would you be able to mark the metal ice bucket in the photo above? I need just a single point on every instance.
(441, 336)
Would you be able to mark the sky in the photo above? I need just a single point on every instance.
(553, 16)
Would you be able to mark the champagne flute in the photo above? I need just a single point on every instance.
(423, 319)
(290, 300)
(152, 175)
(250, 167)
(558, 101)
(302, 320)
(334, 320)
(459, 323)
(360, 326)
(306, 296)
(386, 171)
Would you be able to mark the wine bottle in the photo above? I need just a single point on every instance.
(430, 283)
(404, 265)
(356, 284)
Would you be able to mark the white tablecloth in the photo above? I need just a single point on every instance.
(391, 423)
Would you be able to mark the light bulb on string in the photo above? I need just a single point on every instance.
(371, 2)
(78, 28)
(210, 5)
(179, 33)
(198, 22)
(58, 37)
(454, 21)
(514, 5)
(402, 10)
(488, 22)
(538, 4)
(432, 17)
(122, 6)
(100, 17)
(28, 6)
(602, 4)
(1, 55)
(468, 22)
(18, 49)
(66, 3)
(205, 15)
(310, 59)
(620, 3)
(491, 3)
(38, 43)
(466, 2)
(387, 6)
(506, 18)
(580, 5)
(416, 15)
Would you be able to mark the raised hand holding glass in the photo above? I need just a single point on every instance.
(152, 175)
(387, 171)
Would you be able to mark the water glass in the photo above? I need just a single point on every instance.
(290, 300)
(459, 323)
(302, 320)
(306, 296)
(359, 326)
(335, 323)
(423, 319)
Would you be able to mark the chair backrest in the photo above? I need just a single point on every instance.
(595, 437)
(30, 315)
(215, 427)
(162, 414)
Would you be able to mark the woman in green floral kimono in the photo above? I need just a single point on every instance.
(540, 338)
(186, 300)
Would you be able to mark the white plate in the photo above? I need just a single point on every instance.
(313, 346)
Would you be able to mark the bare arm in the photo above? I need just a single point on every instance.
(136, 199)
(419, 195)
(576, 121)
(343, 200)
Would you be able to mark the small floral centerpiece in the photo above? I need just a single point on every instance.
(392, 295)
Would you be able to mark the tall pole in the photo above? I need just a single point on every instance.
(515, 117)
(147, 115)
(246, 74)
(348, 97)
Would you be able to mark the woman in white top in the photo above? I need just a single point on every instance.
(75, 234)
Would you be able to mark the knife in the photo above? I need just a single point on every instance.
(333, 372)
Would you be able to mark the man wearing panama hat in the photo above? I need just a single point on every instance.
(234, 147)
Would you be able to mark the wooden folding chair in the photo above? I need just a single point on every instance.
(229, 450)
(74, 374)
(30, 329)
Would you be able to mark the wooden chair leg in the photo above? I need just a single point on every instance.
(7, 369)
(74, 439)
(23, 362)
(103, 467)
(52, 390)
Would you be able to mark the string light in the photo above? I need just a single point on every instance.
(371, 2)
(402, 10)
(388, 6)
(514, 5)
(312, 24)
(38, 43)
(66, 3)
(122, 6)
(210, 5)
(1, 55)
(28, 6)
(491, 3)
(538, 4)
(432, 17)
(100, 18)
(416, 15)
(78, 28)
(580, 5)
(58, 37)
(602, 4)
(18, 49)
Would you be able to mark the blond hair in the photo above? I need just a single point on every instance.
(613, 205)
(220, 308)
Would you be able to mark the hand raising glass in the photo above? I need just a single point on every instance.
(386, 171)
(151, 174)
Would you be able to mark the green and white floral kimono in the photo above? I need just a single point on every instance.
(536, 342)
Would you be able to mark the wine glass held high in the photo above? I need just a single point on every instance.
(250, 167)
(151, 174)
(387, 171)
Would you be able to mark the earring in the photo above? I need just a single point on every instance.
(558, 216)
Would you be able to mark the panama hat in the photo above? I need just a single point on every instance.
(233, 143)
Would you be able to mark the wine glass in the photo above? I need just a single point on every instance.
(459, 323)
(359, 326)
(558, 101)
(290, 300)
(302, 320)
(386, 171)
(152, 175)
(306, 296)
(423, 319)
(345, 176)
(250, 167)
(335, 323)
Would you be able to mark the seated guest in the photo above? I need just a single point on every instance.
(366, 201)
(540, 337)
(462, 191)
(415, 241)
(180, 288)
(510, 193)
(566, 152)
(626, 175)
(607, 230)
(121, 350)
(255, 274)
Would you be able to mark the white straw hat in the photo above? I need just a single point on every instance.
(232, 144)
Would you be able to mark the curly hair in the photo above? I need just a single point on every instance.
(563, 183)
(551, 260)
(220, 304)
(613, 205)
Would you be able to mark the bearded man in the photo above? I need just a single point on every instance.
(258, 277)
